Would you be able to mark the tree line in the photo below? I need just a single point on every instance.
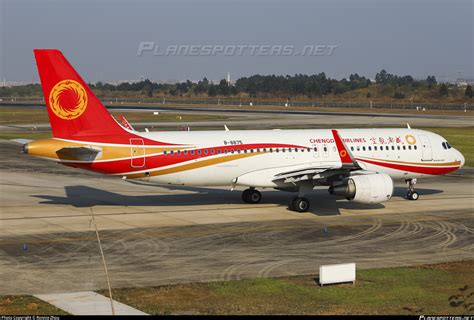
(311, 86)
(273, 86)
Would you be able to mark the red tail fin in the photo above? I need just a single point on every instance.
(74, 111)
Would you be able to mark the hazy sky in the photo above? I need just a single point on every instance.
(101, 38)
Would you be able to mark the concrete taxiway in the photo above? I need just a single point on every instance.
(153, 235)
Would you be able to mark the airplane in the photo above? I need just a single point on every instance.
(357, 164)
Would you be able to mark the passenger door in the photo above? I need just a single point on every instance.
(427, 153)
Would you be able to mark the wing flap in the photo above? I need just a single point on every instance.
(310, 173)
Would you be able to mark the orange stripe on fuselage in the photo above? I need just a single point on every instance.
(194, 165)
(443, 164)
(420, 169)
(49, 149)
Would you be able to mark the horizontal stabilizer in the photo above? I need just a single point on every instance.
(86, 153)
(21, 141)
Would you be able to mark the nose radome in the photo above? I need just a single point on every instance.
(461, 158)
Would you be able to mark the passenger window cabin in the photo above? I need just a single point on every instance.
(445, 145)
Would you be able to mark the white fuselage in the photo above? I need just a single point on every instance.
(400, 153)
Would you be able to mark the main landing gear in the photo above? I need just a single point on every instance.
(251, 196)
(412, 194)
(299, 204)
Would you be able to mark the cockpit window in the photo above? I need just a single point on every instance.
(446, 145)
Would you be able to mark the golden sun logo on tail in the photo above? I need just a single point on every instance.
(68, 99)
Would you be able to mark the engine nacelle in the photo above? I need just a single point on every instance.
(368, 188)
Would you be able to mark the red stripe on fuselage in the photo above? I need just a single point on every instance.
(414, 169)
(161, 160)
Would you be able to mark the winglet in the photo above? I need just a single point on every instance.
(347, 159)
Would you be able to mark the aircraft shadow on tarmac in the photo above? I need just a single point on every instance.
(322, 204)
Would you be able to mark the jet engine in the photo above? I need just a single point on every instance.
(367, 188)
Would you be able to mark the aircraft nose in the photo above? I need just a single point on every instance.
(463, 160)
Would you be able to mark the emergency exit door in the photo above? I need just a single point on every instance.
(137, 150)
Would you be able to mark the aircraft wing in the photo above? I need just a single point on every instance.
(308, 174)
(347, 164)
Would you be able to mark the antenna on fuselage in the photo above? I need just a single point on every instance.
(226, 129)
(408, 126)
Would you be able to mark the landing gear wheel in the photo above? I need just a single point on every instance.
(291, 205)
(251, 196)
(412, 195)
(300, 204)
(245, 195)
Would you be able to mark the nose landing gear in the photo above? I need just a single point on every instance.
(411, 194)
